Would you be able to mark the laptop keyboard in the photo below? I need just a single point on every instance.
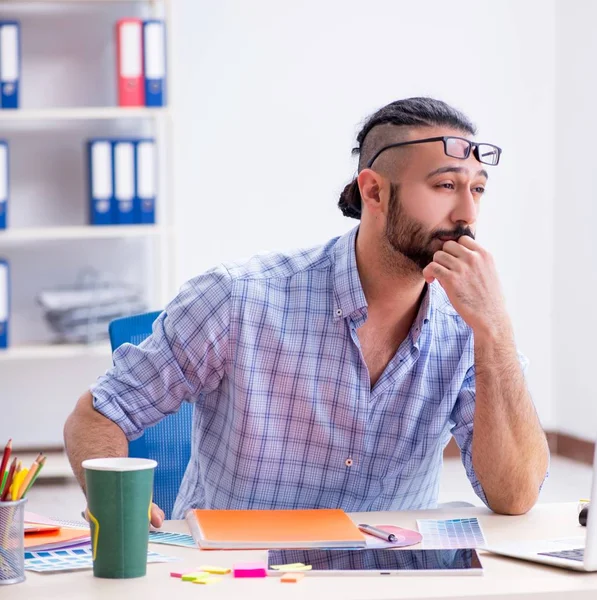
(576, 554)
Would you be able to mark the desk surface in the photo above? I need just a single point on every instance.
(503, 577)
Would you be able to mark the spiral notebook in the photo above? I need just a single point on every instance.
(262, 529)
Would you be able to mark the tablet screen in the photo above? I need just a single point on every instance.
(378, 559)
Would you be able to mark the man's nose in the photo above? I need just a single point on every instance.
(465, 210)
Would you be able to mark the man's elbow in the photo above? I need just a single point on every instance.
(517, 503)
(83, 408)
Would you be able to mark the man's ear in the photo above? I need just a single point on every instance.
(370, 186)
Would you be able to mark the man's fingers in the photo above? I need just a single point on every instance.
(157, 515)
(447, 260)
(456, 248)
(468, 242)
(435, 271)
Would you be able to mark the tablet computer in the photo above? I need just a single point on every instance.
(378, 561)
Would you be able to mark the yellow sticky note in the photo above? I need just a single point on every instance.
(207, 580)
(215, 570)
(194, 576)
(294, 568)
(288, 566)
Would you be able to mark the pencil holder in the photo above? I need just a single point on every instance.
(12, 537)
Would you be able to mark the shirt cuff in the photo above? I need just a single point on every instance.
(107, 404)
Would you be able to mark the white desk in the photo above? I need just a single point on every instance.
(503, 578)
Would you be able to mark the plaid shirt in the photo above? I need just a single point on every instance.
(284, 415)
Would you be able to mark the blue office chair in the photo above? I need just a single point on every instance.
(168, 442)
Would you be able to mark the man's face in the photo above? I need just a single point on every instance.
(433, 198)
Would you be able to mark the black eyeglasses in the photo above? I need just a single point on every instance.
(455, 147)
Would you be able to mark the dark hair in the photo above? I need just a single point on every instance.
(411, 112)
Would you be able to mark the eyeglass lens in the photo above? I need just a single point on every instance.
(486, 153)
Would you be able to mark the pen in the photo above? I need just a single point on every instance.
(379, 533)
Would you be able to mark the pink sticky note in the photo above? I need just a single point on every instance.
(176, 574)
(254, 569)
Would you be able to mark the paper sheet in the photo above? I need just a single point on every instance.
(451, 533)
(73, 559)
(172, 539)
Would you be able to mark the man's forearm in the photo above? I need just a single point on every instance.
(88, 434)
(509, 448)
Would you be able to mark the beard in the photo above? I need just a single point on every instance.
(409, 237)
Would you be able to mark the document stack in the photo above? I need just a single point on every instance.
(81, 313)
(10, 63)
(122, 181)
(141, 62)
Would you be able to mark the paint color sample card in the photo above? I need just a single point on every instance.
(451, 533)
(72, 559)
(172, 539)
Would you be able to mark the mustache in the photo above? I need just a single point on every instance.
(454, 234)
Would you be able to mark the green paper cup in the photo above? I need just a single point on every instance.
(119, 493)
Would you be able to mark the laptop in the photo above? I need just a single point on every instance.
(576, 553)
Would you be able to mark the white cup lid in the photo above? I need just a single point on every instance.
(119, 464)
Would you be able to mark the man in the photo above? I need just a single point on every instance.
(335, 376)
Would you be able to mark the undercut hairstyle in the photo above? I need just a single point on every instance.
(380, 129)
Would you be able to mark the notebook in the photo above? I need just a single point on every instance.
(263, 529)
(32, 528)
(63, 537)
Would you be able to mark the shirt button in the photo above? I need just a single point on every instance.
(348, 462)
(338, 312)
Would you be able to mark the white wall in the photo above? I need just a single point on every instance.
(268, 97)
(575, 267)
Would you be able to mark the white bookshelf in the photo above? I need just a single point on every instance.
(80, 114)
(42, 381)
(54, 351)
(82, 1)
(84, 232)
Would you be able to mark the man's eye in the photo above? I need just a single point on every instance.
(479, 190)
(447, 186)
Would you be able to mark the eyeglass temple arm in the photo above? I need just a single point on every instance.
(398, 144)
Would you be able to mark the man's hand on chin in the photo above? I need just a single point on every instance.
(467, 273)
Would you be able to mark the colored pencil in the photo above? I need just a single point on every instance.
(4, 463)
(41, 463)
(19, 475)
(11, 473)
(27, 480)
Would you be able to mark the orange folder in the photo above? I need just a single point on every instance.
(52, 540)
(34, 528)
(258, 529)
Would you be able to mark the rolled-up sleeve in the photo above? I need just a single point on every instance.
(462, 425)
(184, 356)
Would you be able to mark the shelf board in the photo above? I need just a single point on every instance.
(41, 234)
(74, 114)
(54, 351)
(81, 1)
(56, 467)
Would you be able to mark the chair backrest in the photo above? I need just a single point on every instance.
(168, 442)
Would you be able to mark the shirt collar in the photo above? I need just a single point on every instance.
(348, 291)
